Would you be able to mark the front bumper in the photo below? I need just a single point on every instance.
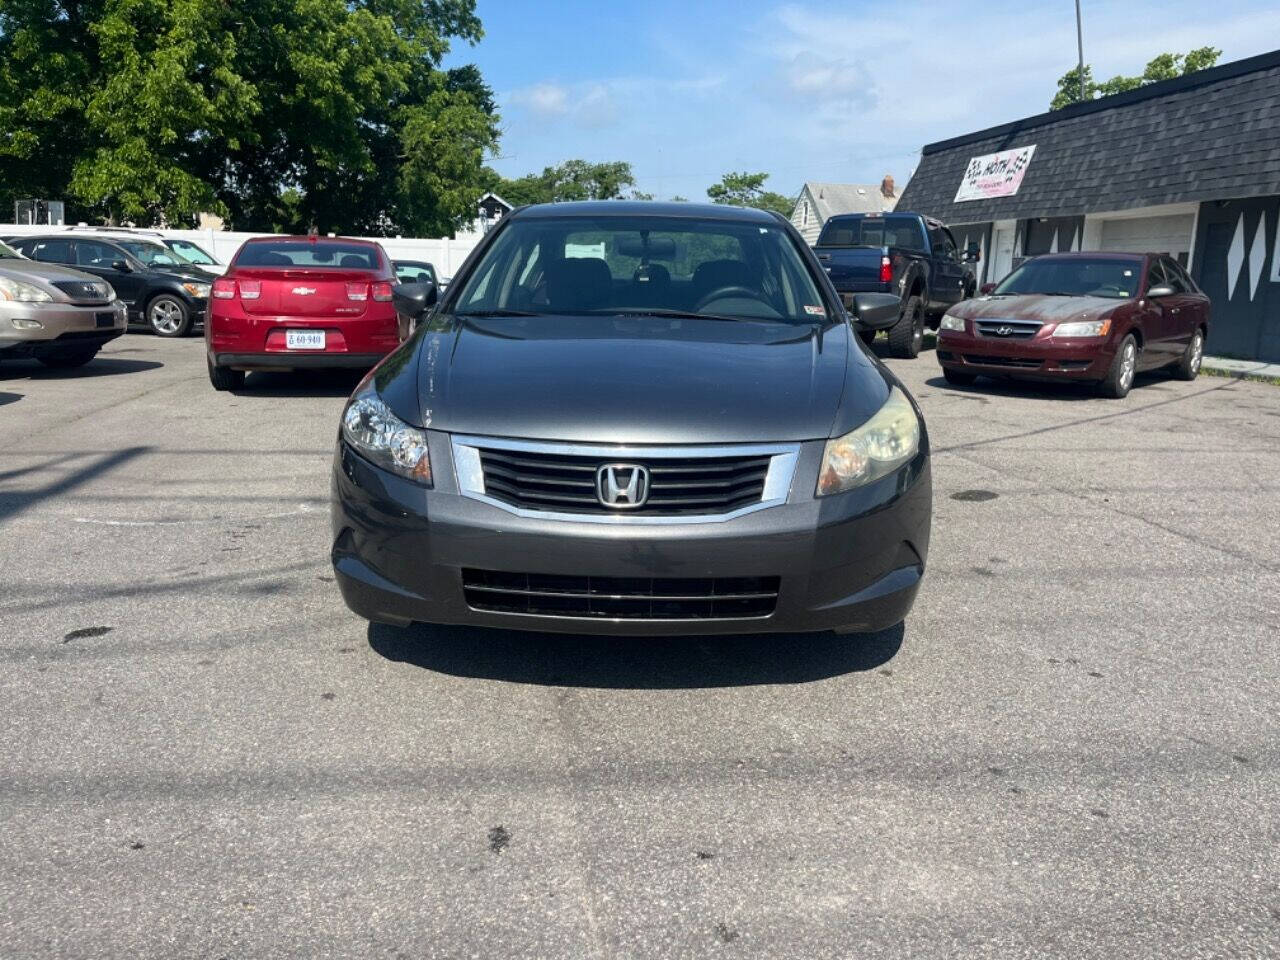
(1040, 357)
(851, 562)
(61, 325)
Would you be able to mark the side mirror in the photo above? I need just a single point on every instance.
(414, 299)
(987, 288)
(874, 311)
(1160, 290)
(121, 265)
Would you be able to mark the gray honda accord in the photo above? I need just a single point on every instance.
(634, 418)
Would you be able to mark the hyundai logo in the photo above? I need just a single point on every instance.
(622, 486)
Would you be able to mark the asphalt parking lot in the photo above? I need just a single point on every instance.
(1071, 749)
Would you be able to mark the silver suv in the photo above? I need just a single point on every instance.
(57, 315)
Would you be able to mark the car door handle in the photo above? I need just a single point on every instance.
(824, 256)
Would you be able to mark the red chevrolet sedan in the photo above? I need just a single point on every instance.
(295, 302)
(1098, 317)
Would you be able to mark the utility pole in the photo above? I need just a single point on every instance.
(1080, 50)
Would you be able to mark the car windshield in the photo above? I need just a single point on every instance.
(409, 271)
(8, 253)
(1075, 277)
(191, 253)
(891, 231)
(307, 253)
(152, 254)
(636, 265)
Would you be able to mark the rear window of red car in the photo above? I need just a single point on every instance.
(304, 253)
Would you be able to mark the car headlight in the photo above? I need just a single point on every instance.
(1082, 328)
(22, 292)
(378, 435)
(197, 289)
(951, 323)
(878, 447)
(109, 291)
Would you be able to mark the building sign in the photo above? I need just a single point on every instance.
(995, 175)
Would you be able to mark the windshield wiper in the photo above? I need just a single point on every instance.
(496, 313)
(676, 315)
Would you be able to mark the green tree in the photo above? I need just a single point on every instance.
(280, 113)
(747, 190)
(570, 180)
(1166, 66)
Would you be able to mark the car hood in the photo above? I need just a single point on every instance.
(191, 272)
(1038, 307)
(49, 272)
(627, 380)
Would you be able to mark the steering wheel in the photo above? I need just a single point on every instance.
(724, 293)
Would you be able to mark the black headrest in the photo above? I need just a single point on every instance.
(578, 283)
(265, 258)
(355, 261)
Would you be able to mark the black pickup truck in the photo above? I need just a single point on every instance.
(906, 254)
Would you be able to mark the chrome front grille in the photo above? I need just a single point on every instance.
(682, 483)
(83, 291)
(1008, 329)
(623, 598)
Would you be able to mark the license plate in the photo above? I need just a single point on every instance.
(104, 319)
(304, 339)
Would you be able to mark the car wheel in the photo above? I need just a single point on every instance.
(1189, 366)
(68, 359)
(168, 316)
(224, 378)
(867, 336)
(1124, 366)
(906, 337)
(958, 378)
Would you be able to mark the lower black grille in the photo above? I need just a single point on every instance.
(1022, 362)
(83, 291)
(626, 598)
(538, 480)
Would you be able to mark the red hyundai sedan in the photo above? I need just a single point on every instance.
(300, 302)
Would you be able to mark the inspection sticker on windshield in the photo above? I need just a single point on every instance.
(304, 339)
(813, 311)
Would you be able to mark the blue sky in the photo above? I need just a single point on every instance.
(842, 92)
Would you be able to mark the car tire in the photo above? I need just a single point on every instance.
(68, 359)
(906, 337)
(224, 378)
(168, 316)
(1124, 367)
(1188, 368)
(958, 378)
(867, 336)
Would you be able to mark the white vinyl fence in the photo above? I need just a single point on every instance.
(445, 254)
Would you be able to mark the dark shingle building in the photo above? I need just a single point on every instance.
(1188, 167)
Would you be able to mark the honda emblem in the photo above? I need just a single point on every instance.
(622, 486)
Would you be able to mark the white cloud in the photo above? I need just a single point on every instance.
(544, 99)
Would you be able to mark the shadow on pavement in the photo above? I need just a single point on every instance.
(634, 663)
(13, 502)
(24, 369)
(301, 383)
(6, 398)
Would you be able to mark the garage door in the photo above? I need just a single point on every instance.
(1171, 235)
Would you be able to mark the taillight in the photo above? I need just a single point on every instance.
(250, 289)
(382, 291)
(357, 291)
(224, 289)
(886, 270)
